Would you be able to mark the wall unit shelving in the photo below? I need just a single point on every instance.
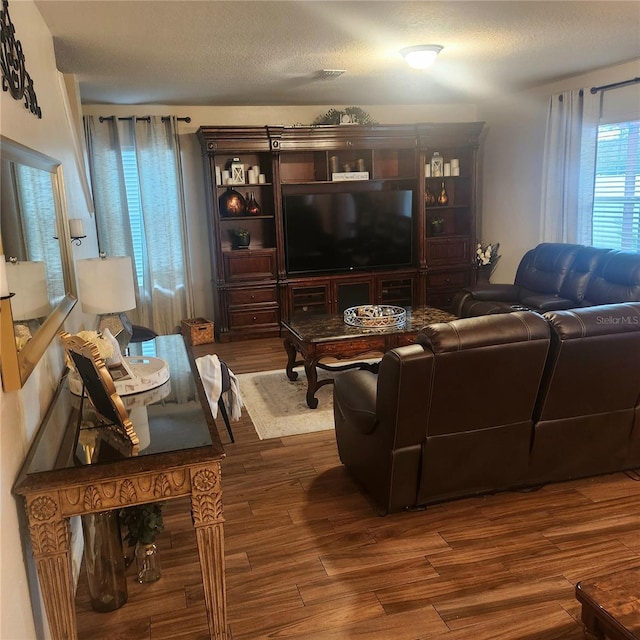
(254, 291)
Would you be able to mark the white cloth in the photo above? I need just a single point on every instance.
(211, 376)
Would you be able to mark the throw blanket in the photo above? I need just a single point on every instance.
(211, 376)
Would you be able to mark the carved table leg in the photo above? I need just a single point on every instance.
(50, 537)
(312, 383)
(208, 519)
(290, 348)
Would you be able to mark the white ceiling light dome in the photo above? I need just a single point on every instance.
(421, 56)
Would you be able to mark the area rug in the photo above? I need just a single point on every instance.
(278, 407)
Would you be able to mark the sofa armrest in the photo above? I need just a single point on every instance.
(495, 292)
(356, 392)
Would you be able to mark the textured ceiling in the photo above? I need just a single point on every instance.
(211, 52)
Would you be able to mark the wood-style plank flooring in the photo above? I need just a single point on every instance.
(308, 559)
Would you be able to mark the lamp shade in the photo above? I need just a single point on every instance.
(4, 281)
(106, 285)
(28, 280)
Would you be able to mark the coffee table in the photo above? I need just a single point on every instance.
(320, 336)
(611, 605)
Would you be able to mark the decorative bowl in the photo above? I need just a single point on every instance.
(375, 315)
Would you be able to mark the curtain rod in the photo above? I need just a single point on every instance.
(615, 85)
(147, 118)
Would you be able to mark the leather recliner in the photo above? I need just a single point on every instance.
(446, 417)
(585, 416)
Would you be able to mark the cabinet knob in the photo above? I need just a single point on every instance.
(349, 143)
(254, 318)
(253, 297)
(447, 280)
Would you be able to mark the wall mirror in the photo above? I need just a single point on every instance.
(34, 229)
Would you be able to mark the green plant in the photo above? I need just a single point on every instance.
(437, 221)
(240, 233)
(333, 116)
(143, 522)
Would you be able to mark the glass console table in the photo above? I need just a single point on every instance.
(179, 455)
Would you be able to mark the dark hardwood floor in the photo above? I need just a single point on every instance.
(308, 559)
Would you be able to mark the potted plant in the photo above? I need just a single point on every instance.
(437, 226)
(240, 238)
(143, 523)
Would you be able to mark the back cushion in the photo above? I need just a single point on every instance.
(487, 370)
(584, 267)
(544, 268)
(617, 279)
(594, 361)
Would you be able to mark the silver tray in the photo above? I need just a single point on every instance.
(375, 315)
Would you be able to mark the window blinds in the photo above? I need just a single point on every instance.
(616, 203)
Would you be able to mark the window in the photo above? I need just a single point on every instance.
(616, 201)
(130, 169)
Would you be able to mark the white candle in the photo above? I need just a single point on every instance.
(262, 178)
(76, 228)
(4, 282)
(427, 170)
(447, 169)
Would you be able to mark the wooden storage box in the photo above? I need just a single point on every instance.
(198, 331)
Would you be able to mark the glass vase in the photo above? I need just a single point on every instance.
(147, 562)
(253, 208)
(104, 561)
(443, 198)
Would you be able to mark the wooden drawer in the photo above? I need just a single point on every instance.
(251, 295)
(249, 265)
(448, 251)
(441, 299)
(449, 279)
(254, 318)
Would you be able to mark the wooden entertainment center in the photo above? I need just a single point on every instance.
(253, 289)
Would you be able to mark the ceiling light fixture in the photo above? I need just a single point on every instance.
(421, 56)
(329, 74)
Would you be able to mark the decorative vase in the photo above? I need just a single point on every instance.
(253, 208)
(443, 198)
(231, 203)
(484, 273)
(104, 561)
(429, 197)
(147, 562)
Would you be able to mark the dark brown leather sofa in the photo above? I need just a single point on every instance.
(495, 402)
(555, 276)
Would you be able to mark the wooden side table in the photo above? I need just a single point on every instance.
(181, 456)
(611, 606)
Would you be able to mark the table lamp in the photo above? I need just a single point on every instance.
(107, 289)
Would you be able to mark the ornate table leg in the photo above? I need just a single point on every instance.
(290, 348)
(50, 537)
(312, 383)
(208, 519)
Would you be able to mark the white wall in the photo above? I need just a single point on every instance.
(21, 411)
(513, 149)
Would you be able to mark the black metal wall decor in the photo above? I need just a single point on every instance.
(15, 78)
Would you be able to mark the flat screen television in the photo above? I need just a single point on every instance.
(334, 231)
